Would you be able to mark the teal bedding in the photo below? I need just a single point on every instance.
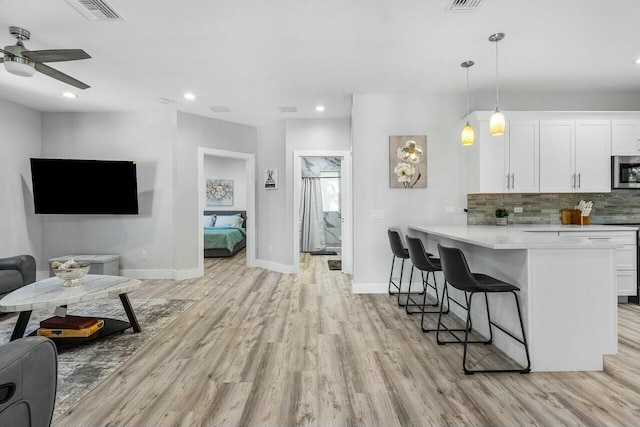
(222, 237)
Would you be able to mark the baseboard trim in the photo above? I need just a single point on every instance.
(277, 267)
(369, 288)
(149, 274)
(186, 274)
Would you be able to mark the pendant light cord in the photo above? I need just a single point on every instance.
(497, 75)
(467, 95)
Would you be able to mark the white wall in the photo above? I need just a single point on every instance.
(277, 143)
(271, 219)
(193, 132)
(144, 137)
(557, 101)
(20, 139)
(225, 168)
(375, 118)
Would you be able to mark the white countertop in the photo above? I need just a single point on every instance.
(522, 236)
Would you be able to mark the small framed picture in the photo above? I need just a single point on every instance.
(271, 179)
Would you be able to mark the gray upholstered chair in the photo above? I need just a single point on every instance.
(28, 381)
(16, 272)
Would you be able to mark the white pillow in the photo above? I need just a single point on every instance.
(229, 221)
(207, 220)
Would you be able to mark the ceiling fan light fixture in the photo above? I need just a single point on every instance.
(19, 66)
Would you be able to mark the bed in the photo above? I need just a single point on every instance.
(226, 241)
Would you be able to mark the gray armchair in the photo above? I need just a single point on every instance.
(16, 272)
(28, 382)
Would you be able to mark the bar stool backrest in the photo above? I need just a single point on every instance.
(419, 257)
(397, 247)
(456, 270)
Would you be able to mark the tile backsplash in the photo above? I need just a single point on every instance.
(619, 206)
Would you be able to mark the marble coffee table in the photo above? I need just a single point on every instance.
(50, 293)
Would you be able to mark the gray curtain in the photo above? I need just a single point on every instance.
(311, 216)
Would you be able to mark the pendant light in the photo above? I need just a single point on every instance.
(467, 132)
(497, 123)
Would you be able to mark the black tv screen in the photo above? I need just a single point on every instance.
(63, 186)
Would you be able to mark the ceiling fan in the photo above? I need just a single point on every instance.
(22, 62)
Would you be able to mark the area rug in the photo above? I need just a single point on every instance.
(334, 264)
(82, 368)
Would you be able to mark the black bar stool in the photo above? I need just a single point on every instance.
(425, 262)
(457, 274)
(399, 251)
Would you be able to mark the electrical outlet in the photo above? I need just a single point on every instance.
(449, 209)
(377, 213)
(143, 255)
(517, 209)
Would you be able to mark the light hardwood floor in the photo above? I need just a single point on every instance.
(260, 348)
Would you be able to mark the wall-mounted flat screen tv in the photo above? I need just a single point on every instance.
(62, 186)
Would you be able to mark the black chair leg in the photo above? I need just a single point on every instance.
(486, 301)
(466, 336)
(522, 341)
(393, 261)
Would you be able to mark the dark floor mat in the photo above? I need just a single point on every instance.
(334, 264)
(324, 253)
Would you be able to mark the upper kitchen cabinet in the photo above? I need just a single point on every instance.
(625, 137)
(575, 156)
(506, 163)
(557, 159)
(593, 156)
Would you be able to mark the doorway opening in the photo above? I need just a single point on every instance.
(226, 206)
(322, 207)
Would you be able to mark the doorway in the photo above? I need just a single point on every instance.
(246, 163)
(322, 207)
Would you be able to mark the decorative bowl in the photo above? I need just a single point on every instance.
(72, 276)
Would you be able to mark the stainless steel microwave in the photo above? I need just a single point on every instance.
(625, 172)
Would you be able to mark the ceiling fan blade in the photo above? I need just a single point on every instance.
(6, 52)
(58, 75)
(55, 55)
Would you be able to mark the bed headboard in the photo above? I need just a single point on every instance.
(243, 214)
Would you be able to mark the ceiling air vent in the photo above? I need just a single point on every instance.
(456, 6)
(221, 109)
(288, 109)
(96, 10)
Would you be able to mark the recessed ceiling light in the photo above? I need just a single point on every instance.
(69, 95)
(189, 96)
(320, 108)
(638, 61)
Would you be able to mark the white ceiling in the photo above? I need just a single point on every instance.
(256, 55)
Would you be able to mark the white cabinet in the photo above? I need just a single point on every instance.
(575, 156)
(556, 156)
(593, 156)
(523, 166)
(506, 163)
(626, 256)
(625, 137)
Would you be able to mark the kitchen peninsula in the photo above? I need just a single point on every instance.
(567, 287)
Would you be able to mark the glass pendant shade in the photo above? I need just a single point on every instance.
(468, 135)
(497, 124)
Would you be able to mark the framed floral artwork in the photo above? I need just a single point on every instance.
(408, 161)
(219, 192)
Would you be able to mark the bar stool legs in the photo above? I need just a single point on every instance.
(468, 328)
